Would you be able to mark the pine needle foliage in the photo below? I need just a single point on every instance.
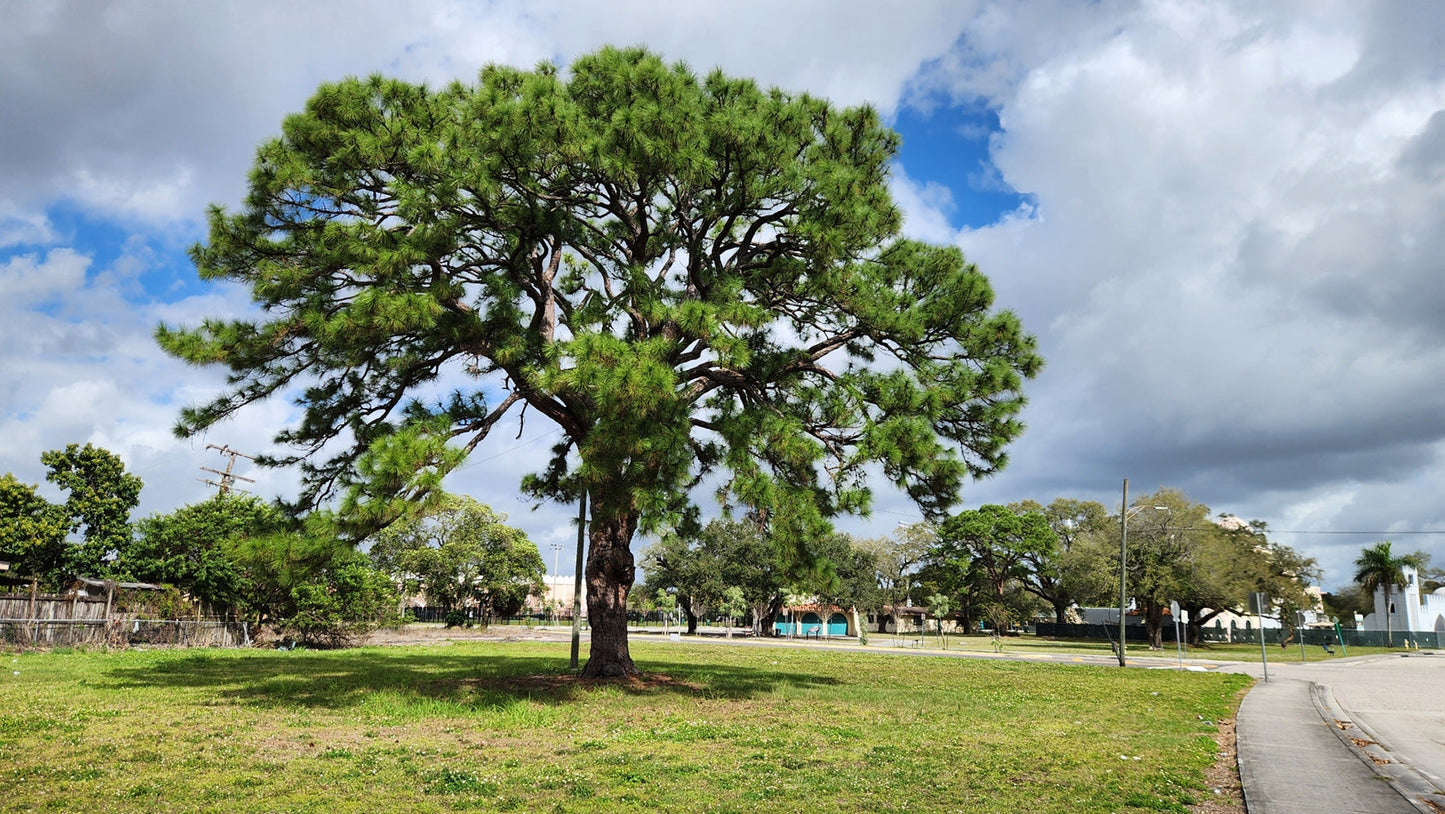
(690, 276)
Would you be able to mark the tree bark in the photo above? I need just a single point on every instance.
(610, 573)
(687, 611)
(1154, 624)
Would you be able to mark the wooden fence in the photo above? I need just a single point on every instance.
(34, 619)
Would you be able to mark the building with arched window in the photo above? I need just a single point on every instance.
(1408, 609)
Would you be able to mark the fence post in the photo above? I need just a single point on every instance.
(34, 589)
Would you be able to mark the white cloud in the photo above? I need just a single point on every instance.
(28, 280)
(1231, 270)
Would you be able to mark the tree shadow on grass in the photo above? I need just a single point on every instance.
(342, 679)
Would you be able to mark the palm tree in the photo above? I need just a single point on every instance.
(1378, 568)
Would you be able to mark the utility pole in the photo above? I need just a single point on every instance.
(1123, 569)
(228, 478)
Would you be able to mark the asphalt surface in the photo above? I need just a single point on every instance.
(1347, 735)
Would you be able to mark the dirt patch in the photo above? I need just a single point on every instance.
(565, 682)
(1223, 793)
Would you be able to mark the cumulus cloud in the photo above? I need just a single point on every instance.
(1234, 263)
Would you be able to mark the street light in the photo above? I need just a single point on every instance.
(556, 568)
(1124, 514)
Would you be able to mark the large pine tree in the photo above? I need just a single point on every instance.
(687, 276)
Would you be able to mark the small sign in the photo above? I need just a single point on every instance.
(1258, 603)
(1174, 609)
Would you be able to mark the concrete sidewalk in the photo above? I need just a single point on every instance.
(1302, 751)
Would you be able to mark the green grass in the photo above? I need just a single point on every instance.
(499, 727)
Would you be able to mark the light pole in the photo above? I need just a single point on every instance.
(1124, 514)
(556, 555)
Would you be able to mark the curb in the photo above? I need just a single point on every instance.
(1418, 788)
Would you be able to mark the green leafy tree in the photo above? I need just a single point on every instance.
(733, 606)
(995, 542)
(968, 591)
(100, 497)
(1165, 537)
(1345, 603)
(691, 568)
(309, 586)
(345, 598)
(846, 576)
(897, 559)
(939, 606)
(689, 277)
(32, 532)
(1377, 568)
(1239, 559)
(1076, 570)
(739, 553)
(461, 552)
(193, 547)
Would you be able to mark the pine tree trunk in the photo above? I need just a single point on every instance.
(610, 572)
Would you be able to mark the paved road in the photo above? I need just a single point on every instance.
(1350, 735)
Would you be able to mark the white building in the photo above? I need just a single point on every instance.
(558, 589)
(1409, 611)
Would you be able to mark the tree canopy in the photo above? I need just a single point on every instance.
(193, 547)
(462, 551)
(100, 495)
(689, 277)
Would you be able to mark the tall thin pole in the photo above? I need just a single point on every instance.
(577, 583)
(1123, 568)
(555, 581)
(1263, 656)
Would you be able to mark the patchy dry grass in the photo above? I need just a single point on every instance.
(494, 726)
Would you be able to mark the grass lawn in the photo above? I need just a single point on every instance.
(498, 726)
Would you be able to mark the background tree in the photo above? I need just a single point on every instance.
(1431, 579)
(309, 586)
(1076, 570)
(699, 567)
(940, 607)
(194, 547)
(846, 575)
(1377, 568)
(690, 568)
(897, 559)
(732, 606)
(993, 542)
(967, 589)
(1348, 601)
(1164, 553)
(100, 495)
(460, 552)
(32, 533)
(683, 275)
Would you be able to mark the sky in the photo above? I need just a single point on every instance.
(1223, 222)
